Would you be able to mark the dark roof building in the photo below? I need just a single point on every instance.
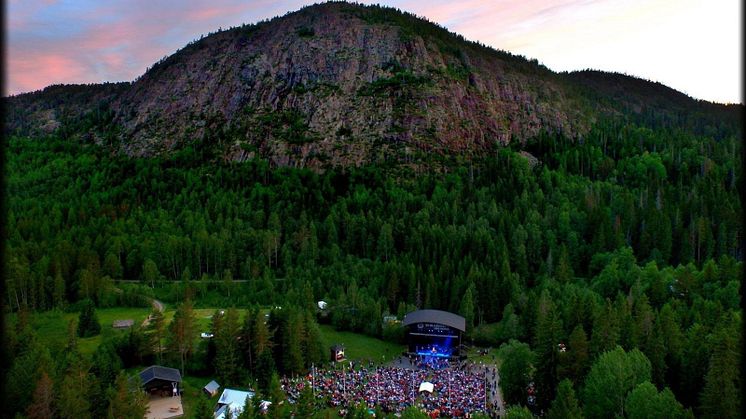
(157, 376)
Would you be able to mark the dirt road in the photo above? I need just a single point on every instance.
(157, 305)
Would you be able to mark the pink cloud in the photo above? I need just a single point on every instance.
(85, 41)
(216, 12)
(33, 71)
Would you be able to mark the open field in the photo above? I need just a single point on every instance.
(360, 347)
(51, 326)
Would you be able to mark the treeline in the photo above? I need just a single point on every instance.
(630, 237)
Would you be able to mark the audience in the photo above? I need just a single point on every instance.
(458, 390)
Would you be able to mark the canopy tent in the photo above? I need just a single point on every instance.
(426, 386)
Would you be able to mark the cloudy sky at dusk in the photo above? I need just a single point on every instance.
(691, 45)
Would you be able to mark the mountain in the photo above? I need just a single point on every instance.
(339, 84)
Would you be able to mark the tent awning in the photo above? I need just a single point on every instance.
(426, 386)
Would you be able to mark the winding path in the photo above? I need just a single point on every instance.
(157, 305)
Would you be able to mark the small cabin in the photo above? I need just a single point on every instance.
(123, 324)
(211, 389)
(337, 353)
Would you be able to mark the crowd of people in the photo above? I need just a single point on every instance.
(458, 390)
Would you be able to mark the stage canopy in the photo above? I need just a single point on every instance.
(435, 316)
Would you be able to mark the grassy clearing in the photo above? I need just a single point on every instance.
(360, 347)
(51, 326)
(491, 358)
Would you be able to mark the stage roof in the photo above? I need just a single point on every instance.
(435, 316)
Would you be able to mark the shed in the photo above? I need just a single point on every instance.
(337, 353)
(211, 389)
(123, 324)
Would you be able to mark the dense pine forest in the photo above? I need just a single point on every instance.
(623, 248)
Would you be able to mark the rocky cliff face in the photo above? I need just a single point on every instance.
(330, 85)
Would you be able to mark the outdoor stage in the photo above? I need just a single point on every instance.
(434, 333)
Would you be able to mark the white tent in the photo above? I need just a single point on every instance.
(426, 386)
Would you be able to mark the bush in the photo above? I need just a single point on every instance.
(393, 332)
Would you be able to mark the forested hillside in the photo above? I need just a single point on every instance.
(631, 238)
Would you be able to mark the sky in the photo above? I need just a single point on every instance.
(693, 46)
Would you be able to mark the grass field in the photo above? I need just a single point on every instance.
(51, 326)
(360, 347)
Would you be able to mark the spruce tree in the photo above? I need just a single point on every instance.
(548, 336)
(313, 348)
(157, 329)
(292, 336)
(605, 334)
(73, 392)
(305, 406)
(127, 399)
(88, 324)
(573, 363)
(278, 408)
(565, 405)
(42, 406)
(721, 396)
(202, 409)
(227, 356)
(247, 339)
(466, 308)
(249, 409)
(182, 332)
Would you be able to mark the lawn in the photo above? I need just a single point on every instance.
(360, 347)
(491, 358)
(51, 326)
